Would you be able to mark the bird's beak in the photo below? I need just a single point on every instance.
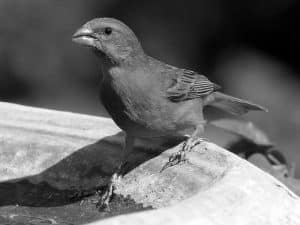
(84, 36)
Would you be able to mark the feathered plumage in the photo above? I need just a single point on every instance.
(146, 97)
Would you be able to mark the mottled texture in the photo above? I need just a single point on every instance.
(51, 153)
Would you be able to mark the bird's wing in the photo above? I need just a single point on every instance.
(188, 85)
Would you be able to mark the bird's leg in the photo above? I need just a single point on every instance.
(106, 195)
(188, 145)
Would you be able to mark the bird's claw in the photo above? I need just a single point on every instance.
(192, 142)
(180, 156)
(104, 196)
(174, 159)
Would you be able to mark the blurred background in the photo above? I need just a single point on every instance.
(249, 47)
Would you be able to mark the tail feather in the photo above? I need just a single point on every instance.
(231, 104)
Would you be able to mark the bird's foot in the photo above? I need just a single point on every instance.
(192, 142)
(105, 196)
(180, 156)
(174, 159)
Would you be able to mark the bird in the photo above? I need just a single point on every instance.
(148, 98)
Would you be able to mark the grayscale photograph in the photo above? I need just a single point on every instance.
(149, 112)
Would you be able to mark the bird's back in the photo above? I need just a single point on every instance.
(137, 101)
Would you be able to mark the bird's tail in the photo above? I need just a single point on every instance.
(231, 104)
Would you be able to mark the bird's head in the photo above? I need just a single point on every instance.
(109, 37)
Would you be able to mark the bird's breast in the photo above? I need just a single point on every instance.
(135, 108)
(140, 108)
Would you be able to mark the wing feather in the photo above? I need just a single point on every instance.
(190, 85)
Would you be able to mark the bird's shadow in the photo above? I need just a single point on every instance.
(80, 172)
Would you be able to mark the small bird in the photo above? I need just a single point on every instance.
(148, 98)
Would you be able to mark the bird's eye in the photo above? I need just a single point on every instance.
(107, 30)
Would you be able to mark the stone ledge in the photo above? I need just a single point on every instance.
(70, 151)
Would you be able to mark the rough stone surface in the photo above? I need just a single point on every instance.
(47, 157)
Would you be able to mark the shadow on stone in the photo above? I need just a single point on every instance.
(74, 178)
